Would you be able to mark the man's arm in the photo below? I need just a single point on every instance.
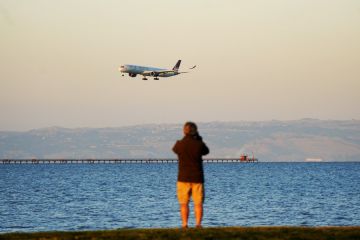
(176, 147)
(205, 150)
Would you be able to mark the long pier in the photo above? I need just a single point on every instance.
(116, 161)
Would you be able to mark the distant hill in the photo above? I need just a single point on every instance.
(268, 140)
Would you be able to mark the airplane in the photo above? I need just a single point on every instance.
(134, 70)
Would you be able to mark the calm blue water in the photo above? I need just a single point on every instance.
(108, 196)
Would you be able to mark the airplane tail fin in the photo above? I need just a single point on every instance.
(177, 65)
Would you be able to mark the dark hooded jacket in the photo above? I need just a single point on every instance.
(190, 151)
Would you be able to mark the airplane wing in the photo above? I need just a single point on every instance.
(163, 72)
(157, 73)
(160, 72)
(166, 71)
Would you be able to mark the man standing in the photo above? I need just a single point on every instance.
(190, 182)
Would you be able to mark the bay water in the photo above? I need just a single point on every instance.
(48, 197)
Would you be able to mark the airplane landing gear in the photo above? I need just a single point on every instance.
(156, 78)
(144, 78)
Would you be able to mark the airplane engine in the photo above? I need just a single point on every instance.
(132, 74)
(154, 74)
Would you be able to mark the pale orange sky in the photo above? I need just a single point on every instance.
(257, 60)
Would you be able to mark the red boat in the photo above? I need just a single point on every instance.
(246, 158)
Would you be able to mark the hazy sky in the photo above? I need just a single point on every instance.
(257, 60)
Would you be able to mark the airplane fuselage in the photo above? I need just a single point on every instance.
(146, 71)
(134, 70)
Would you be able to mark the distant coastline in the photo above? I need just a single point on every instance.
(271, 141)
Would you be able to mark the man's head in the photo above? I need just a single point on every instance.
(190, 128)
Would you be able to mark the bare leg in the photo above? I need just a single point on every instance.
(198, 214)
(184, 211)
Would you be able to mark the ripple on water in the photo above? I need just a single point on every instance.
(101, 196)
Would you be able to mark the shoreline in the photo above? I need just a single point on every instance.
(235, 232)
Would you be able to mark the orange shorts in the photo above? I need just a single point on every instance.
(185, 190)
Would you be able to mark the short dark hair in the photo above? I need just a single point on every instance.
(192, 128)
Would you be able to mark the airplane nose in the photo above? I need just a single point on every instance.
(121, 69)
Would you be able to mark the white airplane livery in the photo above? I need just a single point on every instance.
(134, 70)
